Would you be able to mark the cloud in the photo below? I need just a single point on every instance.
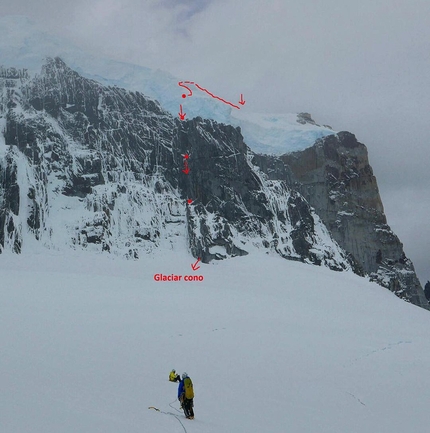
(187, 8)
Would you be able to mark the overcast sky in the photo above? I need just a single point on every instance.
(362, 66)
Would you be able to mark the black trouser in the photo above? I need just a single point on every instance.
(188, 405)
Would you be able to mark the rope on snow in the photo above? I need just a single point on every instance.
(169, 413)
(170, 404)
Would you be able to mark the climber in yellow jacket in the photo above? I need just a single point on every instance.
(173, 377)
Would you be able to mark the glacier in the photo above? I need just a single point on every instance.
(25, 45)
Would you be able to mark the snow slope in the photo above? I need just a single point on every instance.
(24, 45)
(271, 345)
(277, 133)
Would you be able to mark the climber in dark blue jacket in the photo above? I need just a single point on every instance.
(181, 390)
(186, 396)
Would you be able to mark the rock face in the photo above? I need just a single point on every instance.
(335, 177)
(79, 164)
(239, 208)
(100, 168)
(427, 290)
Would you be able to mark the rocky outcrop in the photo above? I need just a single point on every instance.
(306, 118)
(335, 177)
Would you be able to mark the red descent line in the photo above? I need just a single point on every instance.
(188, 82)
(216, 97)
(186, 169)
(207, 91)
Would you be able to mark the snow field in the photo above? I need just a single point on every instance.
(271, 345)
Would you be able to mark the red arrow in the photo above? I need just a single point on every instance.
(242, 102)
(189, 201)
(182, 115)
(187, 169)
(194, 266)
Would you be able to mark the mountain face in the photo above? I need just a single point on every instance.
(335, 177)
(98, 167)
(95, 167)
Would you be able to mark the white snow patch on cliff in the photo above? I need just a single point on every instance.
(277, 133)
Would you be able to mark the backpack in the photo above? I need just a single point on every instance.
(188, 386)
